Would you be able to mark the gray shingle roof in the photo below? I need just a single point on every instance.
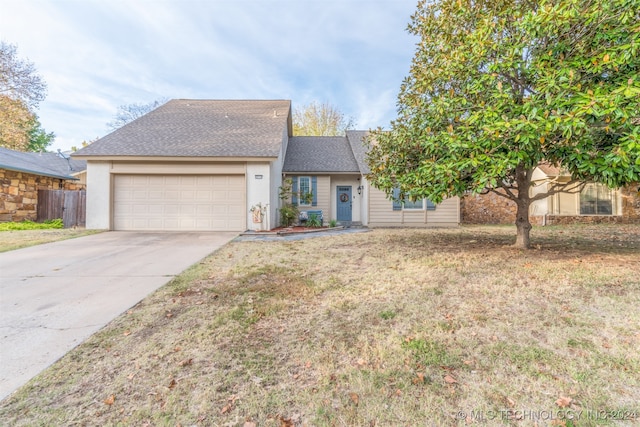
(356, 140)
(201, 128)
(45, 164)
(319, 154)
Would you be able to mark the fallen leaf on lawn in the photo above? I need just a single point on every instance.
(606, 345)
(361, 362)
(308, 364)
(354, 398)
(130, 376)
(249, 424)
(172, 384)
(563, 402)
(449, 379)
(186, 362)
(126, 333)
(109, 400)
(285, 422)
(226, 408)
(177, 349)
(419, 379)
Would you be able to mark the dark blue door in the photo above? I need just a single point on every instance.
(343, 204)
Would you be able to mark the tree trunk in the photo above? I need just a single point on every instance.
(523, 226)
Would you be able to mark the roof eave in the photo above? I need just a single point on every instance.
(176, 158)
(40, 173)
(317, 172)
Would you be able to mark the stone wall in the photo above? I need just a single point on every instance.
(19, 193)
(493, 209)
(487, 209)
(631, 203)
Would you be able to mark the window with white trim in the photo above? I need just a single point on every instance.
(596, 199)
(408, 204)
(304, 188)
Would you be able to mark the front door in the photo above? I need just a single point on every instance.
(343, 204)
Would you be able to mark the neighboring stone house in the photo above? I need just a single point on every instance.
(583, 203)
(23, 174)
(209, 164)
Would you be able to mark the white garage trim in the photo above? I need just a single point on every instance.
(179, 202)
(179, 168)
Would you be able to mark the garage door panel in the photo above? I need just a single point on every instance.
(187, 195)
(179, 202)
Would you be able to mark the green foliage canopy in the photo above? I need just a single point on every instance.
(498, 86)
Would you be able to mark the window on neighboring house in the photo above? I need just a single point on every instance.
(596, 199)
(407, 204)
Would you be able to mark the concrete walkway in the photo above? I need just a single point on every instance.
(274, 237)
(54, 296)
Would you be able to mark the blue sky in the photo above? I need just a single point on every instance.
(96, 55)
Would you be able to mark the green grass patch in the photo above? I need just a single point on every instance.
(51, 224)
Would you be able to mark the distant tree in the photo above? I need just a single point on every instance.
(21, 90)
(320, 120)
(15, 122)
(84, 144)
(39, 139)
(130, 112)
(498, 86)
(18, 78)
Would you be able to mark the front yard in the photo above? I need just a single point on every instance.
(385, 328)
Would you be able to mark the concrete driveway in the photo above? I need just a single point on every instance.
(54, 296)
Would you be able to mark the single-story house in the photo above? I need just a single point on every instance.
(23, 174)
(209, 164)
(586, 202)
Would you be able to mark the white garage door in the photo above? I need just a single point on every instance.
(179, 202)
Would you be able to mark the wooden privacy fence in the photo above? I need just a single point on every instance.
(69, 205)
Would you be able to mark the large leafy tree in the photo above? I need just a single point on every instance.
(498, 86)
(320, 119)
(21, 90)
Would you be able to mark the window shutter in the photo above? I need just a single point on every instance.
(294, 191)
(397, 203)
(430, 205)
(314, 190)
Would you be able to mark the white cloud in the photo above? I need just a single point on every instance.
(97, 55)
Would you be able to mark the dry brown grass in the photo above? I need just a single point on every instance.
(16, 239)
(386, 328)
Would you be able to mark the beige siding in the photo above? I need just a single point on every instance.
(381, 213)
(324, 197)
